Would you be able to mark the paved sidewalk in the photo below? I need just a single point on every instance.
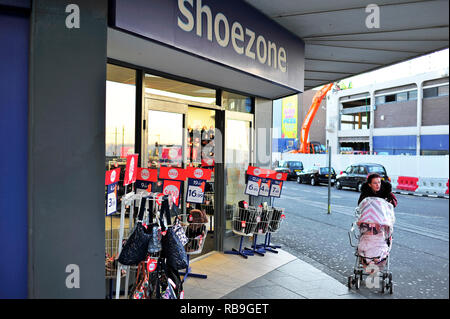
(274, 276)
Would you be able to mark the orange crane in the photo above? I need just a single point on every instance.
(317, 99)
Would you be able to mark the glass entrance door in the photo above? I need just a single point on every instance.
(164, 139)
(176, 135)
(238, 156)
(163, 136)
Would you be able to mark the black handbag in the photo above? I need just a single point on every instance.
(154, 244)
(135, 249)
(172, 248)
(174, 275)
(173, 251)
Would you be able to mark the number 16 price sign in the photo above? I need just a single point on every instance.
(196, 191)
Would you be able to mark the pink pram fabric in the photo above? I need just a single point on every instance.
(373, 246)
(376, 223)
(376, 211)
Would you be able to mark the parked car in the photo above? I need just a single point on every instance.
(316, 175)
(355, 175)
(291, 168)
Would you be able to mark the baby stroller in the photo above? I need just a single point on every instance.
(373, 230)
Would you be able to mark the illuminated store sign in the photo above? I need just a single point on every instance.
(231, 33)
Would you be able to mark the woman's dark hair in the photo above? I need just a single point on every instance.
(372, 176)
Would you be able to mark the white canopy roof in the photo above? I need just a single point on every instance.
(340, 45)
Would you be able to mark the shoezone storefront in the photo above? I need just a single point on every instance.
(188, 88)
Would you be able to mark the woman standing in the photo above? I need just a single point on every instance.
(375, 187)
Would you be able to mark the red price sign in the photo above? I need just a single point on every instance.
(172, 188)
(173, 173)
(199, 173)
(112, 176)
(131, 169)
(147, 174)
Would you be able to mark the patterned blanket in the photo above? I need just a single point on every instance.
(374, 210)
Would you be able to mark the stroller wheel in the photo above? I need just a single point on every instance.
(357, 282)
(391, 284)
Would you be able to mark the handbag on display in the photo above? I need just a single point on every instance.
(154, 243)
(171, 285)
(172, 248)
(174, 275)
(169, 293)
(135, 249)
(174, 251)
(180, 232)
(141, 288)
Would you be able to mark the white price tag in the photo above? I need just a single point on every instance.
(195, 194)
(275, 190)
(112, 203)
(252, 186)
(264, 189)
(195, 191)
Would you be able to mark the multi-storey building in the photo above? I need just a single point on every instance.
(404, 116)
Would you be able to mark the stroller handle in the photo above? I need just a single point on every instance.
(350, 239)
(350, 232)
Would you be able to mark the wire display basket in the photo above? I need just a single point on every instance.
(245, 220)
(111, 252)
(195, 232)
(208, 205)
(276, 219)
(263, 220)
(229, 211)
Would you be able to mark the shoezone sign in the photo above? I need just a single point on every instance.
(264, 182)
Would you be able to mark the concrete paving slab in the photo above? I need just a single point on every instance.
(274, 276)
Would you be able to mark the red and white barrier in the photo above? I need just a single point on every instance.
(420, 185)
(407, 183)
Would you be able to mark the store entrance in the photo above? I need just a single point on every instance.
(238, 156)
(178, 135)
(200, 152)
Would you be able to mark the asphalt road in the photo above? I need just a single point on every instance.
(419, 259)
